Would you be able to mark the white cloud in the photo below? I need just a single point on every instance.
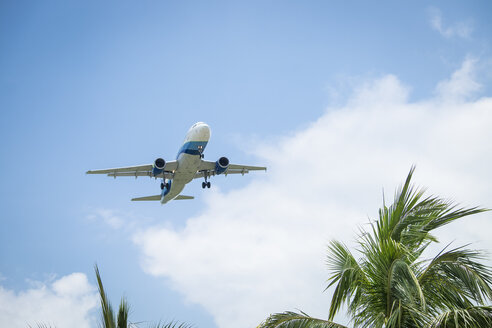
(462, 84)
(125, 222)
(109, 217)
(460, 29)
(261, 249)
(66, 302)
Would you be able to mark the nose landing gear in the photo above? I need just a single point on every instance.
(200, 151)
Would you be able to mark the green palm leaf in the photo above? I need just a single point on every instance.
(107, 314)
(123, 314)
(171, 324)
(297, 320)
(472, 317)
(346, 272)
(457, 278)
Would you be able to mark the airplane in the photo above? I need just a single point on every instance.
(189, 165)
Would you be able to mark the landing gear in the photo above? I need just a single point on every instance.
(165, 185)
(206, 183)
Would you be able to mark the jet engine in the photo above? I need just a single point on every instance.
(158, 166)
(221, 165)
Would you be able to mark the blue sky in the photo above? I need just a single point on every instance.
(90, 84)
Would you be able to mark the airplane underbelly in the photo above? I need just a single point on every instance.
(187, 168)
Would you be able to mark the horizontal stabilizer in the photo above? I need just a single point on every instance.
(184, 197)
(156, 197)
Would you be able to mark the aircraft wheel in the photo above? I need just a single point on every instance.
(203, 185)
(162, 185)
(208, 184)
(167, 185)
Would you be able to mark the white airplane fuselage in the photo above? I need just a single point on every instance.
(189, 159)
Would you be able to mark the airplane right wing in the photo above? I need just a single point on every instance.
(138, 171)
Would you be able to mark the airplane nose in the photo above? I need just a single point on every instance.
(205, 131)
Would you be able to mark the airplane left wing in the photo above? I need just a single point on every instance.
(137, 171)
(207, 168)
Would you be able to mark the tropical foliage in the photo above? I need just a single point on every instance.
(390, 285)
(297, 320)
(108, 318)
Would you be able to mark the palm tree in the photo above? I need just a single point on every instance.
(108, 318)
(390, 285)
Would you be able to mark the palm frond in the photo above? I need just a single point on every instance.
(123, 314)
(172, 324)
(346, 272)
(451, 214)
(297, 320)
(107, 310)
(456, 278)
(404, 286)
(472, 317)
(410, 219)
(392, 220)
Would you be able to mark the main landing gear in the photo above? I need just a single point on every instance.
(164, 185)
(206, 183)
